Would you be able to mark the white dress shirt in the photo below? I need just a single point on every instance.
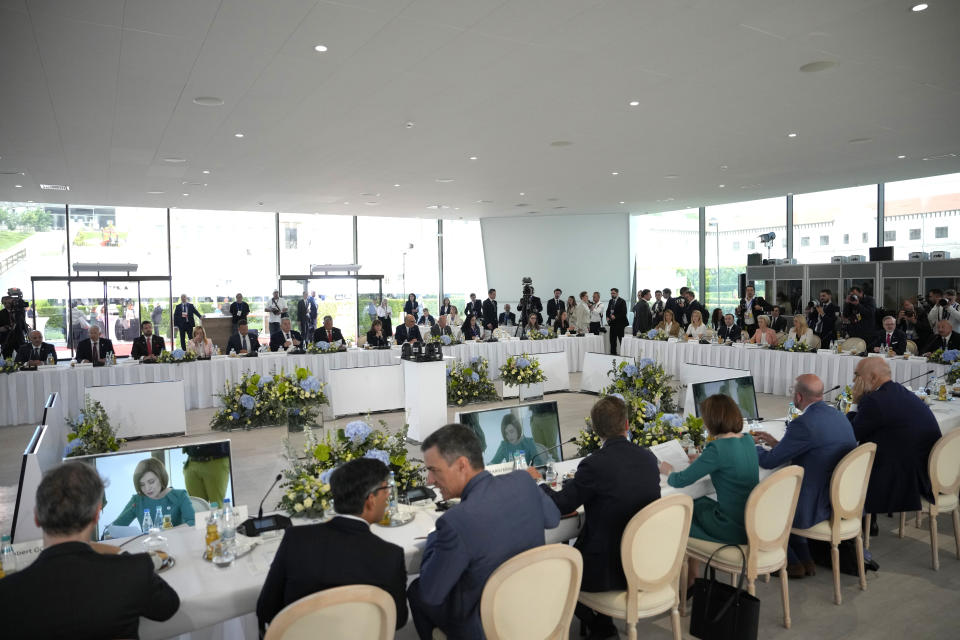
(274, 317)
(697, 332)
(951, 313)
(596, 313)
(806, 338)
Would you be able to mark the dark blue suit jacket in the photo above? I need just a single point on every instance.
(401, 334)
(497, 518)
(905, 431)
(816, 441)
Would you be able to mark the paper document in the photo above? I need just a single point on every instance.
(672, 453)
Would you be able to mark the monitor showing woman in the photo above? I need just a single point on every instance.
(152, 491)
(514, 441)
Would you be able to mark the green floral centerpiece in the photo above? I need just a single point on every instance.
(90, 432)
(260, 400)
(655, 334)
(792, 345)
(8, 366)
(649, 428)
(646, 380)
(950, 357)
(543, 333)
(176, 356)
(307, 480)
(521, 369)
(470, 383)
(322, 346)
(443, 340)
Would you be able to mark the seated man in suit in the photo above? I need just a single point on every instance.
(36, 351)
(497, 518)
(342, 551)
(889, 338)
(147, 346)
(74, 588)
(904, 429)
(426, 319)
(612, 485)
(507, 318)
(94, 348)
(816, 441)
(944, 337)
(243, 343)
(286, 339)
(408, 331)
(441, 328)
(328, 332)
(777, 322)
(729, 332)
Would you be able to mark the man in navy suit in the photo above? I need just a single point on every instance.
(94, 348)
(944, 337)
(904, 429)
(327, 332)
(816, 441)
(729, 331)
(616, 319)
(243, 343)
(612, 484)
(408, 331)
(183, 319)
(36, 351)
(889, 338)
(507, 318)
(286, 339)
(147, 346)
(497, 518)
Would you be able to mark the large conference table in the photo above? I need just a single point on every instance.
(220, 603)
(773, 371)
(23, 394)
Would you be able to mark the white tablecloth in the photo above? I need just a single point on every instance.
(773, 371)
(498, 352)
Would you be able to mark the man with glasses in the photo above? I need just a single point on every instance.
(342, 551)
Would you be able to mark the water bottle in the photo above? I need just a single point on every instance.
(147, 521)
(50, 359)
(8, 558)
(158, 519)
(393, 494)
(519, 461)
(228, 527)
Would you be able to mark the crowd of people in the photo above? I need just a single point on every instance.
(497, 517)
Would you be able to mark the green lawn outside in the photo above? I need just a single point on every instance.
(10, 238)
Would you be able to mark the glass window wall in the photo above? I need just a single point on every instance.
(925, 212)
(838, 217)
(464, 267)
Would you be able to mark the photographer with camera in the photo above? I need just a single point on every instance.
(912, 324)
(859, 315)
(822, 316)
(13, 321)
(945, 307)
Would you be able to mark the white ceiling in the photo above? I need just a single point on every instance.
(95, 93)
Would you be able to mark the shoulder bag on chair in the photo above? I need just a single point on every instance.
(721, 611)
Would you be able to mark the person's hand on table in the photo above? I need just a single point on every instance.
(765, 438)
(534, 473)
(666, 468)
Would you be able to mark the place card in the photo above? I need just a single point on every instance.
(672, 453)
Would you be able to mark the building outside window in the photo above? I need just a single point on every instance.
(930, 204)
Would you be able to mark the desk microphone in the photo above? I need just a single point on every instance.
(255, 526)
(919, 376)
(829, 391)
(554, 447)
(275, 481)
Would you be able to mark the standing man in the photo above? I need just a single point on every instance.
(207, 470)
(183, 319)
(275, 310)
(535, 307)
(156, 316)
(316, 312)
(36, 351)
(497, 518)
(554, 306)
(751, 306)
(657, 308)
(581, 314)
(474, 308)
(691, 305)
(642, 315)
(822, 318)
(148, 346)
(306, 311)
(945, 308)
(858, 315)
(616, 319)
(490, 310)
(596, 314)
(239, 310)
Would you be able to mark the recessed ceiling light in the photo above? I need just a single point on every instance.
(346, 203)
(208, 101)
(721, 185)
(859, 140)
(206, 171)
(522, 193)
(917, 8)
(174, 160)
(18, 186)
(484, 201)
(371, 203)
(204, 184)
(369, 195)
(238, 135)
(622, 202)
(473, 157)
(185, 194)
(819, 65)
(445, 180)
(438, 206)
(671, 176)
(560, 143)
(634, 103)
(723, 167)
(155, 193)
(791, 135)
(30, 201)
(397, 185)
(901, 157)
(320, 48)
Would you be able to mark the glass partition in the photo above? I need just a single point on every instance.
(32, 243)
(789, 297)
(464, 267)
(135, 235)
(923, 215)
(307, 239)
(666, 251)
(831, 223)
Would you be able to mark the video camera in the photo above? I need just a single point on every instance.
(17, 303)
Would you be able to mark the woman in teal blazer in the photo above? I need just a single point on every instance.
(151, 482)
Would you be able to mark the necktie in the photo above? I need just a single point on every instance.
(149, 345)
(246, 343)
(36, 353)
(329, 335)
(286, 337)
(888, 341)
(96, 355)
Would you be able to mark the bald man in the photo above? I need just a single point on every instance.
(904, 429)
(816, 441)
(408, 331)
(36, 352)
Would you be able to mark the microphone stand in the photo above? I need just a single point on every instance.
(553, 448)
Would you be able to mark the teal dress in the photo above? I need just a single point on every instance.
(176, 504)
(734, 469)
(506, 451)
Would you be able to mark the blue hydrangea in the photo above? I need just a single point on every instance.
(323, 345)
(475, 377)
(950, 355)
(81, 418)
(265, 379)
(544, 331)
(294, 411)
(617, 395)
(73, 444)
(522, 363)
(956, 365)
(357, 431)
(449, 372)
(310, 384)
(325, 476)
(445, 339)
(648, 409)
(652, 333)
(474, 359)
(630, 370)
(247, 402)
(3, 361)
(788, 344)
(672, 419)
(646, 362)
(234, 415)
(378, 454)
(177, 354)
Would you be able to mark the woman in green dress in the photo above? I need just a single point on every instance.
(150, 479)
(731, 461)
(513, 441)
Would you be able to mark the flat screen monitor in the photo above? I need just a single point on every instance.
(533, 429)
(196, 470)
(739, 389)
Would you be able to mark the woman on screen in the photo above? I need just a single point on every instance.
(697, 329)
(669, 324)
(150, 480)
(513, 441)
(764, 334)
(801, 332)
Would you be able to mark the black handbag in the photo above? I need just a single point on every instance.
(721, 611)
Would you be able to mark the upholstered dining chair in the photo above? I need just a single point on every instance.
(945, 480)
(357, 611)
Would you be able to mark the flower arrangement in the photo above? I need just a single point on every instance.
(256, 401)
(951, 357)
(176, 356)
(322, 346)
(306, 481)
(521, 369)
(8, 366)
(543, 333)
(90, 432)
(443, 340)
(655, 334)
(469, 383)
(650, 429)
(644, 381)
(792, 345)
(845, 399)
